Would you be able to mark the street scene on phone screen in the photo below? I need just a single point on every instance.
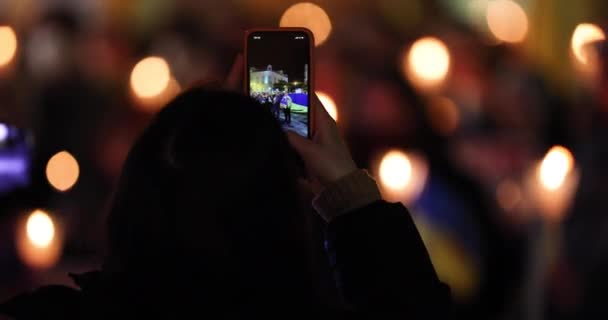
(279, 79)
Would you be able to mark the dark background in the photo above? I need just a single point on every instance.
(280, 50)
(479, 134)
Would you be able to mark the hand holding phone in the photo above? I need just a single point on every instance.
(326, 157)
(278, 75)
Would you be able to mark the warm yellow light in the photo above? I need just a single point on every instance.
(584, 34)
(401, 176)
(555, 167)
(329, 104)
(427, 62)
(40, 229)
(62, 171)
(308, 15)
(8, 45)
(395, 170)
(508, 195)
(150, 77)
(157, 102)
(38, 240)
(507, 20)
(551, 185)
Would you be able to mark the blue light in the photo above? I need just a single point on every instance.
(3, 132)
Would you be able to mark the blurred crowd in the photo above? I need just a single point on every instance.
(487, 118)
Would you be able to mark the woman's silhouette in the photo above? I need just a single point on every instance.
(206, 221)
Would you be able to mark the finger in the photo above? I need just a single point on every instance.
(304, 147)
(234, 80)
(325, 125)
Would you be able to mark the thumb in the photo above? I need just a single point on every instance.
(234, 79)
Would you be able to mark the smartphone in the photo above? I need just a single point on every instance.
(15, 158)
(278, 73)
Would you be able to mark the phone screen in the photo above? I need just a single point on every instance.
(278, 64)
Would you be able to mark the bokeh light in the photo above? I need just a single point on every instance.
(555, 167)
(38, 240)
(444, 115)
(507, 20)
(329, 104)
(427, 62)
(150, 77)
(46, 52)
(62, 171)
(584, 34)
(552, 183)
(308, 15)
(508, 195)
(8, 45)
(40, 229)
(395, 170)
(401, 175)
(3, 132)
(157, 102)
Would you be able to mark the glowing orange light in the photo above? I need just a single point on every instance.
(584, 34)
(444, 115)
(395, 170)
(150, 77)
(40, 229)
(427, 62)
(508, 195)
(552, 184)
(329, 104)
(157, 102)
(555, 167)
(62, 171)
(402, 176)
(37, 242)
(507, 20)
(8, 45)
(308, 15)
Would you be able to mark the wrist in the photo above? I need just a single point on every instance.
(338, 173)
(352, 191)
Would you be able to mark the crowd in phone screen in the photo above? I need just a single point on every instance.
(278, 64)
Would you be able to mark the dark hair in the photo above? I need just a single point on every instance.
(207, 200)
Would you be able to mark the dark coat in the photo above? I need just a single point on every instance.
(381, 268)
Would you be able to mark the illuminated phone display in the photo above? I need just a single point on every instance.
(278, 76)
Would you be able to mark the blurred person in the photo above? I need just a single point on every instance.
(195, 227)
(276, 105)
(389, 113)
(286, 106)
(579, 282)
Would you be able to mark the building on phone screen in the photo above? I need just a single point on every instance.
(265, 80)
